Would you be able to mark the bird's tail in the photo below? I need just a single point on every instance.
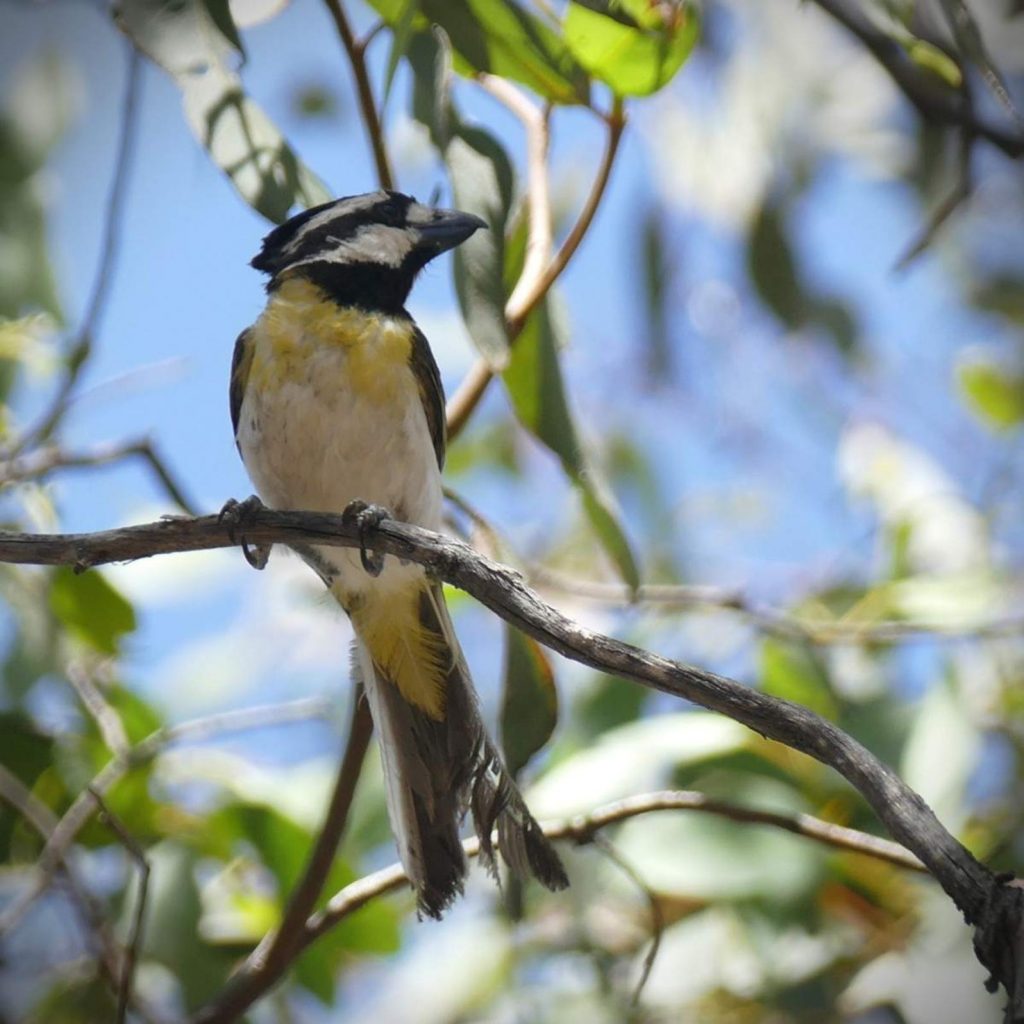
(438, 759)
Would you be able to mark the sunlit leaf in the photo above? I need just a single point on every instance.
(529, 710)
(87, 605)
(535, 385)
(185, 41)
(634, 46)
(995, 394)
(502, 38)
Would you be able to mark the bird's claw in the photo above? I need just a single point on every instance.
(367, 517)
(233, 516)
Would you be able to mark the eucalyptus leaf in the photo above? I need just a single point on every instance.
(186, 41)
(995, 394)
(535, 385)
(635, 48)
(91, 608)
(529, 710)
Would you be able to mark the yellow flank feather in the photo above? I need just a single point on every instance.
(408, 654)
(299, 317)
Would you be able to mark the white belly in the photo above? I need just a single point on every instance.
(310, 440)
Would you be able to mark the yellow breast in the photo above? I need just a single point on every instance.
(300, 322)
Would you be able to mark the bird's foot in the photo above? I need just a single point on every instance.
(234, 516)
(367, 517)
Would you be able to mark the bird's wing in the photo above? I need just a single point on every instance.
(431, 391)
(241, 361)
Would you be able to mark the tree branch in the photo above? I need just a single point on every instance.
(531, 289)
(356, 51)
(109, 248)
(932, 101)
(997, 909)
(278, 949)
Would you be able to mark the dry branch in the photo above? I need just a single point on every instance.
(994, 907)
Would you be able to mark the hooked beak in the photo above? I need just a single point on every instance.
(447, 229)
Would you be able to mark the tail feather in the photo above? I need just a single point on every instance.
(439, 762)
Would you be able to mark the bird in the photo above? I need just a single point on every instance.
(337, 406)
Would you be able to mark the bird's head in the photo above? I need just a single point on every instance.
(363, 250)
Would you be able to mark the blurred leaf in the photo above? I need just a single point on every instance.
(42, 100)
(793, 672)
(635, 757)
(657, 274)
(772, 267)
(500, 37)
(534, 382)
(634, 46)
(172, 925)
(529, 710)
(401, 38)
(941, 752)
(88, 606)
(482, 183)
(996, 395)
(1003, 294)
(931, 58)
(183, 38)
(25, 752)
(74, 1000)
(606, 704)
(220, 14)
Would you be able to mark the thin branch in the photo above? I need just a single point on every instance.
(530, 291)
(582, 829)
(82, 808)
(997, 909)
(933, 102)
(277, 950)
(131, 956)
(767, 619)
(109, 250)
(44, 821)
(612, 852)
(356, 51)
(107, 720)
(52, 458)
(538, 198)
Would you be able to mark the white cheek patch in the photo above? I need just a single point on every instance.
(374, 243)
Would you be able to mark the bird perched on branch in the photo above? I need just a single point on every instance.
(337, 405)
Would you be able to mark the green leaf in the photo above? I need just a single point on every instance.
(500, 37)
(25, 752)
(401, 38)
(529, 709)
(772, 267)
(535, 385)
(185, 41)
(1003, 295)
(635, 47)
(994, 394)
(795, 673)
(482, 183)
(929, 57)
(88, 606)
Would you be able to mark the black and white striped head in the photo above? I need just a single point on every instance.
(363, 250)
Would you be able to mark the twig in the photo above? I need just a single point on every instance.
(44, 461)
(107, 720)
(774, 621)
(986, 901)
(44, 821)
(273, 955)
(538, 199)
(931, 102)
(583, 829)
(530, 291)
(612, 852)
(356, 51)
(136, 853)
(109, 248)
(63, 834)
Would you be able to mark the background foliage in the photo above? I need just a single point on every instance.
(810, 458)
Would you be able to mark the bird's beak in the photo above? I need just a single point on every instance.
(446, 229)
